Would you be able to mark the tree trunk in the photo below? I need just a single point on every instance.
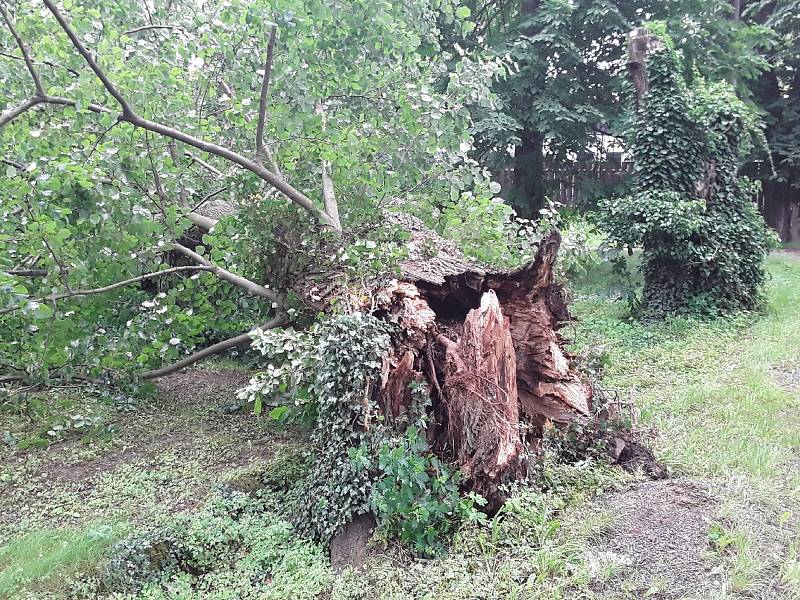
(486, 346)
(528, 191)
(781, 209)
(641, 43)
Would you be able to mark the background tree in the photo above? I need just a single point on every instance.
(703, 241)
(567, 85)
(777, 93)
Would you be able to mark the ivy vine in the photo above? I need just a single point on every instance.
(703, 241)
(350, 350)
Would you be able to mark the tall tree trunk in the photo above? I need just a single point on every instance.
(737, 10)
(781, 209)
(529, 192)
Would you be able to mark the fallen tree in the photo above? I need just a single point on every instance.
(482, 345)
(487, 346)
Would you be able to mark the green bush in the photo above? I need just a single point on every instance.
(416, 497)
(232, 548)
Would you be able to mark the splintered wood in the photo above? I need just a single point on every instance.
(487, 346)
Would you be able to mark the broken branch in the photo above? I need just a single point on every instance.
(217, 348)
(250, 286)
(262, 104)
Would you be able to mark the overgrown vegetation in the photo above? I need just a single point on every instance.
(541, 542)
(338, 187)
(703, 240)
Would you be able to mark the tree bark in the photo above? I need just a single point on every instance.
(641, 43)
(486, 346)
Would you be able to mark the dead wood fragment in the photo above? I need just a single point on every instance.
(480, 388)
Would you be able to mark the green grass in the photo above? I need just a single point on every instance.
(45, 559)
(711, 398)
(709, 389)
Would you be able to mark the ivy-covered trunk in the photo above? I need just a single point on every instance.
(703, 242)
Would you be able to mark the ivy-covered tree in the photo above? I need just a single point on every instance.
(703, 240)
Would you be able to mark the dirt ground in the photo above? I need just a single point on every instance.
(166, 456)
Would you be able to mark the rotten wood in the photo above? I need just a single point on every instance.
(487, 345)
(480, 390)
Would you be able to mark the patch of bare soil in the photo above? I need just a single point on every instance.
(194, 389)
(168, 454)
(788, 379)
(656, 543)
(200, 386)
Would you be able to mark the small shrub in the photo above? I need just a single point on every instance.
(141, 559)
(416, 498)
(207, 540)
(288, 469)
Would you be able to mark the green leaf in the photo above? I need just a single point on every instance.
(42, 311)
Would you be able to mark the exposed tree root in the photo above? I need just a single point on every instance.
(487, 346)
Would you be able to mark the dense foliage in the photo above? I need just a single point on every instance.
(562, 99)
(703, 241)
(237, 542)
(89, 200)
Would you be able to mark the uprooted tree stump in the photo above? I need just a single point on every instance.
(487, 346)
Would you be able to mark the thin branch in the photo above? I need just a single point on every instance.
(37, 83)
(328, 195)
(238, 280)
(156, 175)
(13, 113)
(203, 221)
(128, 115)
(49, 63)
(12, 163)
(262, 103)
(8, 116)
(113, 286)
(207, 166)
(136, 30)
(218, 348)
(95, 108)
(127, 111)
(62, 268)
(208, 197)
(28, 272)
(99, 140)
